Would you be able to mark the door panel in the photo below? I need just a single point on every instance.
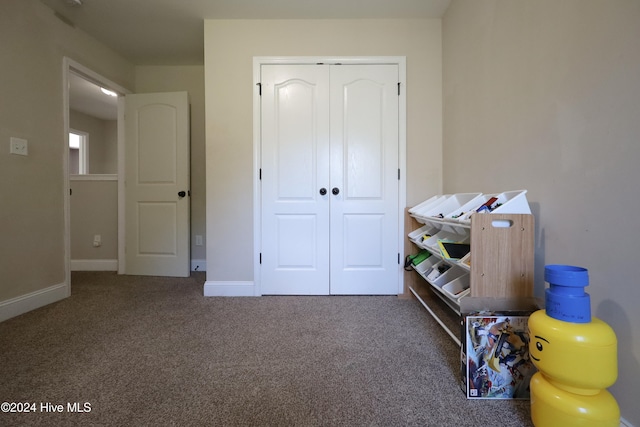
(157, 143)
(364, 167)
(362, 138)
(151, 218)
(296, 231)
(156, 170)
(295, 216)
(363, 242)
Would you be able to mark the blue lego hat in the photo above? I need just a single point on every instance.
(565, 299)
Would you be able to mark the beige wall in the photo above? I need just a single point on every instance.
(545, 96)
(108, 160)
(94, 204)
(188, 78)
(94, 210)
(33, 45)
(230, 46)
(103, 141)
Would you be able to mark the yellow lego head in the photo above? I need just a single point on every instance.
(577, 357)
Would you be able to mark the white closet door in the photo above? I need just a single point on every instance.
(364, 169)
(295, 159)
(331, 128)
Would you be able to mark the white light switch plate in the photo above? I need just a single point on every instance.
(18, 146)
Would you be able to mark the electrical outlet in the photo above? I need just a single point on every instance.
(97, 240)
(198, 240)
(18, 146)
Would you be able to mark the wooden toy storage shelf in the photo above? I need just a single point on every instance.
(499, 264)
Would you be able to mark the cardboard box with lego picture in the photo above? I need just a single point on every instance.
(495, 360)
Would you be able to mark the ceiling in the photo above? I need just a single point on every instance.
(88, 98)
(171, 32)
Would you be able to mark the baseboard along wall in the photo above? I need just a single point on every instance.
(94, 265)
(229, 289)
(16, 306)
(198, 265)
(112, 265)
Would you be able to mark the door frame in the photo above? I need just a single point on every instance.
(71, 66)
(258, 61)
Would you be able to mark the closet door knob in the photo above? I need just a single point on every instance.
(335, 191)
(323, 191)
(182, 193)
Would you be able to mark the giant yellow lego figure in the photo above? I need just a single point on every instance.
(576, 356)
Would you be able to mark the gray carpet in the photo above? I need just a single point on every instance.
(154, 351)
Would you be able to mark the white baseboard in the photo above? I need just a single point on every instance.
(229, 289)
(112, 265)
(625, 423)
(94, 265)
(19, 305)
(198, 265)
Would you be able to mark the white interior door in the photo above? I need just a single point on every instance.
(157, 184)
(364, 173)
(295, 158)
(329, 179)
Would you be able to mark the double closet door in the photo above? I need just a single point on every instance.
(329, 179)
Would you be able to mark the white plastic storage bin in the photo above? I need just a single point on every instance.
(465, 211)
(458, 287)
(448, 276)
(432, 242)
(425, 267)
(451, 205)
(417, 211)
(434, 273)
(466, 218)
(418, 236)
(513, 202)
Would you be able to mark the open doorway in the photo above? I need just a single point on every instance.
(78, 152)
(92, 136)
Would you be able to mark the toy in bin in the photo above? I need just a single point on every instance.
(576, 356)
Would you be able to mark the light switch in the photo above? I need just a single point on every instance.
(18, 146)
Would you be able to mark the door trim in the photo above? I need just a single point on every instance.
(258, 61)
(68, 66)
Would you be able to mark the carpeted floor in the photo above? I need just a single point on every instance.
(154, 351)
